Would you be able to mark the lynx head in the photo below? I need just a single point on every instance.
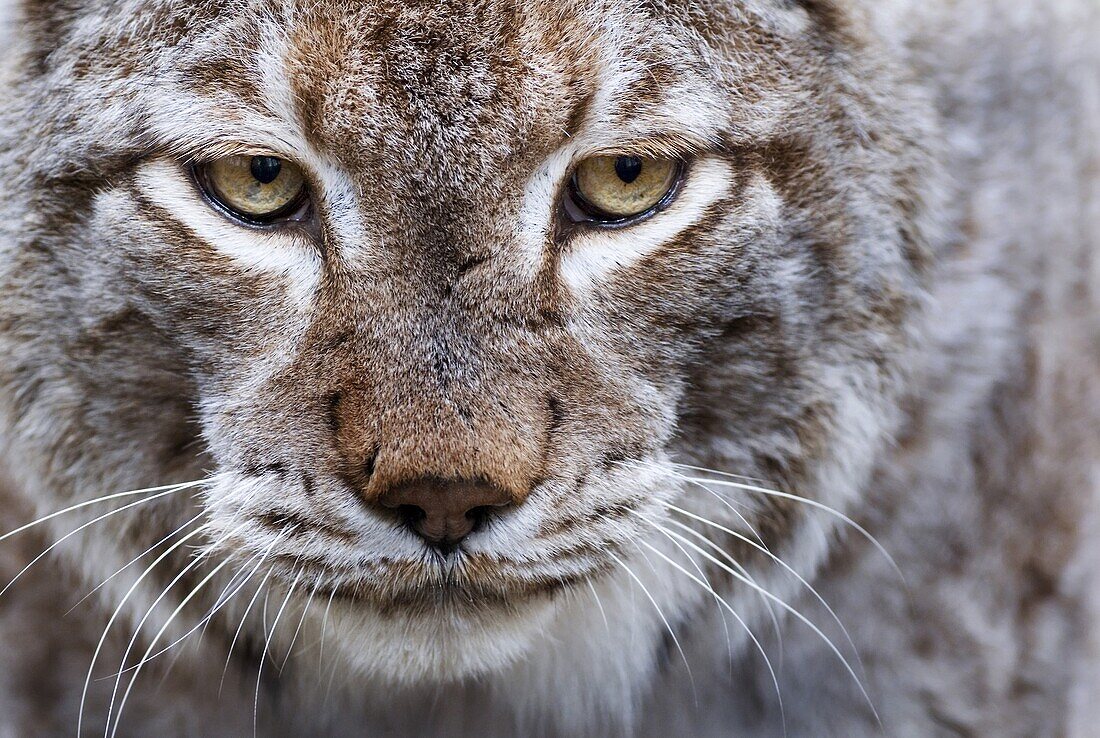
(448, 297)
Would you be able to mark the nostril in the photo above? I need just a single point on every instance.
(480, 516)
(368, 465)
(410, 514)
(443, 512)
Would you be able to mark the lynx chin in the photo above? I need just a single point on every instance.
(656, 368)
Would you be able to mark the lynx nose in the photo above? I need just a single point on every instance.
(443, 512)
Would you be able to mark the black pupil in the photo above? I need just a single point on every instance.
(265, 168)
(629, 168)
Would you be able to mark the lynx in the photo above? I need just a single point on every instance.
(564, 368)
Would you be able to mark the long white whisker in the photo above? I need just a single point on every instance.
(118, 610)
(171, 618)
(708, 490)
(656, 607)
(301, 620)
(263, 656)
(133, 561)
(596, 596)
(777, 560)
(263, 621)
(804, 500)
(226, 595)
(751, 529)
(726, 502)
(707, 586)
(137, 631)
(691, 677)
(725, 623)
(728, 475)
(802, 618)
(324, 630)
(744, 572)
(737, 565)
(170, 487)
(72, 533)
(237, 634)
(331, 681)
(222, 600)
(251, 603)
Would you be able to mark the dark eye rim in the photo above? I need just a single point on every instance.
(578, 211)
(298, 211)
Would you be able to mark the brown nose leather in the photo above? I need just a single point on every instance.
(443, 512)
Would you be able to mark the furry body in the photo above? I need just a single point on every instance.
(878, 290)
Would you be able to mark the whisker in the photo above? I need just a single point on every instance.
(331, 681)
(777, 560)
(805, 501)
(263, 622)
(699, 483)
(728, 475)
(72, 533)
(133, 561)
(301, 620)
(802, 618)
(691, 677)
(115, 614)
(179, 608)
(744, 572)
(169, 669)
(324, 629)
(133, 640)
(596, 596)
(699, 570)
(252, 602)
(707, 586)
(263, 656)
(223, 598)
(668, 626)
(169, 487)
(237, 634)
(219, 603)
(752, 529)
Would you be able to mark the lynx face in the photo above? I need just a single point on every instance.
(449, 290)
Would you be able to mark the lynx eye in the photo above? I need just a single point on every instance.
(256, 189)
(616, 189)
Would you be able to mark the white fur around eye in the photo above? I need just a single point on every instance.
(276, 252)
(539, 203)
(595, 253)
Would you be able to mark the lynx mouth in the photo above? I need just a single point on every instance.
(451, 598)
(459, 585)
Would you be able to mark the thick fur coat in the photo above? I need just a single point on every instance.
(814, 450)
